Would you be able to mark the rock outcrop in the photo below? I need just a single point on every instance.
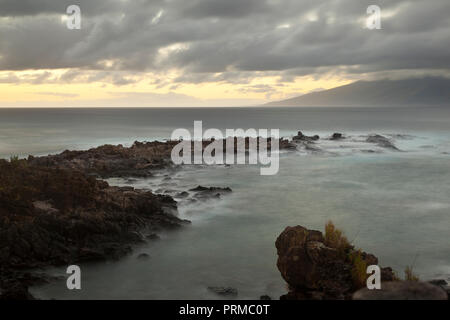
(301, 137)
(112, 161)
(337, 136)
(204, 193)
(57, 216)
(139, 160)
(314, 270)
(382, 142)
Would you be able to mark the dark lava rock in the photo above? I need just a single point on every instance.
(205, 193)
(337, 136)
(382, 142)
(369, 151)
(224, 291)
(312, 269)
(137, 161)
(210, 189)
(301, 137)
(402, 290)
(62, 216)
(113, 161)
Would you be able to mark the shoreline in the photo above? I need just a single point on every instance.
(64, 211)
(81, 168)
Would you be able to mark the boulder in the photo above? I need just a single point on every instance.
(314, 270)
(205, 193)
(301, 137)
(337, 136)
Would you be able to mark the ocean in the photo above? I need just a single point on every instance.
(394, 204)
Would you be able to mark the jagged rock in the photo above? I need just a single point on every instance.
(286, 145)
(381, 141)
(402, 290)
(224, 291)
(337, 136)
(301, 137)
(61, 216)
(139, 160)
(210, 189)
(205, 193)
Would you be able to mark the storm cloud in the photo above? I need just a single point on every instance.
(224, 40)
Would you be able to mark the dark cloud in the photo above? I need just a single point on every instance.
(223, 40)
(229, 9)
(36, 7)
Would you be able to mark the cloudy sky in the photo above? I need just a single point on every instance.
(210, 52)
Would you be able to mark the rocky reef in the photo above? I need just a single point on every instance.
(112, 161)
(320, 266)
(139, 160)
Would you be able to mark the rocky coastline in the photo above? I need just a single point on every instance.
(58, 210)
(52, 216)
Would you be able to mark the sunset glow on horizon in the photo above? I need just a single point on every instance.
(122, 53)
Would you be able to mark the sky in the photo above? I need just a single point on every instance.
(164, 53)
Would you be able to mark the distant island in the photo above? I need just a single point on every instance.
(420, 91)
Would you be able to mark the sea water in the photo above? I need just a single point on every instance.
(394, 204)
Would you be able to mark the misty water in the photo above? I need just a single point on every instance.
(390, 203)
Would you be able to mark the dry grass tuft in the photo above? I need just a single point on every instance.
(359, 269)
(410, 275)
(334, 238)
